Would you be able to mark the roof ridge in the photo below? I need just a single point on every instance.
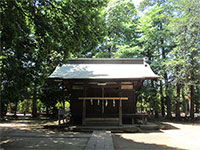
(106, 61)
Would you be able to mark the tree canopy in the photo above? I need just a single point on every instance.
(38, 35)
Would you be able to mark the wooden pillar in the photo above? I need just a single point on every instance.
(84, 112)
(102, 100)
(134, 101)
(120, 112)
(84, 105)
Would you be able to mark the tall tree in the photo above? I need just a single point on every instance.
(38, 35)
(155, 44)
(120, 19)
(184, 63)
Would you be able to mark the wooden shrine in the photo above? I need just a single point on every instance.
(103, 90)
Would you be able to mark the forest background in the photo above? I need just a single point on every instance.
(38, 35)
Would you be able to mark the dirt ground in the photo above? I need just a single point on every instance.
(35, 134)
(39, 135)
(183, 136)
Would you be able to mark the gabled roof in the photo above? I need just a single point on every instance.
(106, 68)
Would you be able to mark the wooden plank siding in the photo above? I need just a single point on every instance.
(112, 91)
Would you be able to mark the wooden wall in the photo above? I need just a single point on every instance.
(92, 89)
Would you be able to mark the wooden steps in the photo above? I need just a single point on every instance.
(102, 121)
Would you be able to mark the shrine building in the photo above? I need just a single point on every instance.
(103, 90)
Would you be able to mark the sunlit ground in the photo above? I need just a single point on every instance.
(184, 137)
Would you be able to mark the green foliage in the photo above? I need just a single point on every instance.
(38, 35)
(25, 106)
(184, 65)
(126, 51)
(120, 18)
(169, 39)
(147, 4)
(149, 96)
(60, 104)
(154, 38)
(53, 93)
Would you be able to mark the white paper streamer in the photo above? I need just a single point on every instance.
(113, 103)
(106, 103)
(91, 102)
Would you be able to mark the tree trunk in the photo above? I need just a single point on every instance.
(3, 109)
(34, 111)
(192, 92)
(168, 101)
(162, 100)
(15, 111)
(185, 104)
(47, 110)
(109, 52)
(197, 101)
(163, 53)
(63, 103)
(178, 116)
(178, 102)
(156, 114)
(156, 111)
(192, 101)
(34, 108)
(197, 107)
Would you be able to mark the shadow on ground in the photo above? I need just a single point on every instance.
(165, 126)
(121, 143)
(26, 143)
